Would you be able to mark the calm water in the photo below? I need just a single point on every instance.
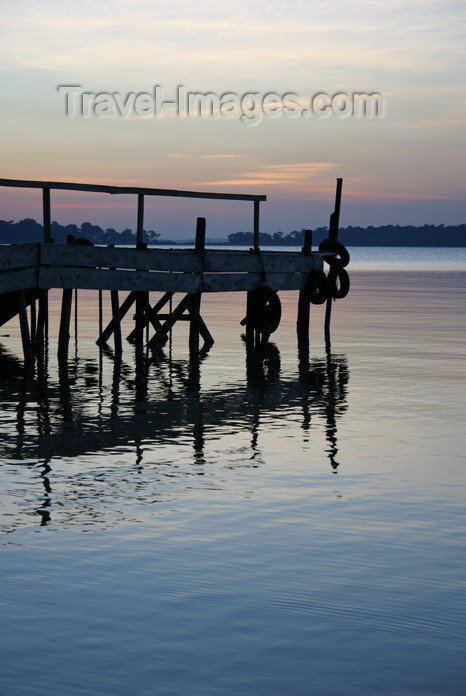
(295, 529)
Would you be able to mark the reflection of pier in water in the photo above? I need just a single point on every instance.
(91, 409)
(129, 411)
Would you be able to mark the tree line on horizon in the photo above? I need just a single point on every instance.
(28, 230)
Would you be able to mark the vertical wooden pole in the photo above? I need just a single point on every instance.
(42, 320)
(249, 313)
(256, 226)
(116, 321)
(333, 234)
(304, 304)
(200, 235)
(194, 314)
(41, 332)
(328, 309)
(304, 315)
(335, 216)
(140, 225)
(33, 321)
(140, 318)
(23, 321)
(100, 314)
(307, 248)
(64, 334)
(46, 215)
(141, 297)
(195, 298)
(76, 315)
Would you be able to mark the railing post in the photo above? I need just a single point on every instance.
(140, 226)
(335, 216)
(256, 227)
(307, 248)
(200, 235)
(46, 215)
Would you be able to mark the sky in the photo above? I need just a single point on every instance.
(403, 165)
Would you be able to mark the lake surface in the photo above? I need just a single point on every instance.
(290, 526)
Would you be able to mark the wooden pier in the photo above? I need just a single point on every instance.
(28, 271)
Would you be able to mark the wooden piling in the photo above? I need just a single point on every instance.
(42, 321)
(65, 317)
(304, 303)
(23, 321)
(333, 234)
(33, 318)
(116, 321)
(46, 214)
(194, 315)
(195, 298)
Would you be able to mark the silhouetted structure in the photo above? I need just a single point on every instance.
(28, 271)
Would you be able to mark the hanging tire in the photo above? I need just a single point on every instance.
(266, 310)
(342, 257)
(317, 287)
(340, 283)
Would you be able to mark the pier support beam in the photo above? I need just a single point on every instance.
(304, 302)
(24, 325)
(116, 321)
(64, 334)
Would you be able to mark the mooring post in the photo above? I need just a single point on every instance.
(43, 318)
(333, 234)
(251, 336)
(142, 298)
(304, 302)
(142, 308)
(335, 216)
(195, 297)
(64, 333)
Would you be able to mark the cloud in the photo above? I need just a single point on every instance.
(293, 176)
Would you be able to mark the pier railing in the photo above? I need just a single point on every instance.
(48, 186)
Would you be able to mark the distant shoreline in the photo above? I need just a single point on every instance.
(29, 230)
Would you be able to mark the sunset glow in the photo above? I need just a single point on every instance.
(405, 166)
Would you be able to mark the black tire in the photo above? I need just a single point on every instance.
(341, 283)
(266, 310)
(317, 287)
(342, 257)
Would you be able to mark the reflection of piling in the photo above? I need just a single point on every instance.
(321, 391)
